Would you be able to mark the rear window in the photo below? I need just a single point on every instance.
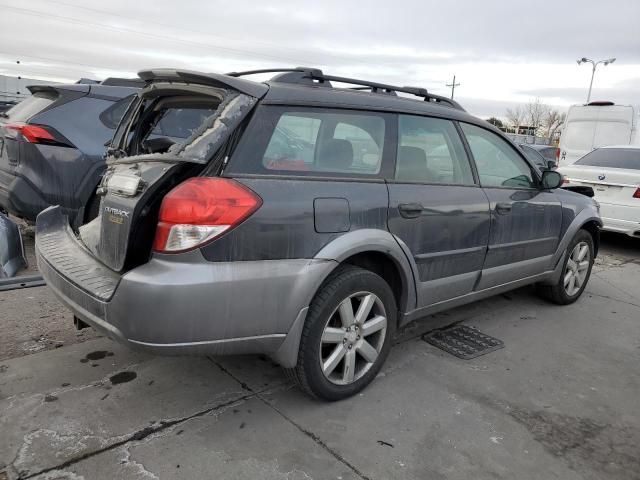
(32, 105)
(628, 158)
(307, 141)
(180, 123)
(534, 156)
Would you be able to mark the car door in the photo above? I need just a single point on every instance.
(437, 211)
(525, 219)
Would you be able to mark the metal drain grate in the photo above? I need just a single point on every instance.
(463, 341)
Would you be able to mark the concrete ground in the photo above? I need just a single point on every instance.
(559, 401)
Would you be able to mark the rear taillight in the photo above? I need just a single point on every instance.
(199, 210)
(32, 133)
(557, 155)
(636, 194)
(565, 180)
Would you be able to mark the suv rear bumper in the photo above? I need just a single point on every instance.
(19, 197)
(180, 304)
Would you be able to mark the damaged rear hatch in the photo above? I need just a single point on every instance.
(181, 125)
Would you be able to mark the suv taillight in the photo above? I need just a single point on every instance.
(31, 133)
(199, 210)
(557, 156)
(636, 194)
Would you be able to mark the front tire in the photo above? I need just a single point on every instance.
(347, 334)
(575, 273)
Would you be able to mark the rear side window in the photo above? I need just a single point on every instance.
(32, 105)
(112, 115)
(310, 141)
(628, 158)
(430, 151)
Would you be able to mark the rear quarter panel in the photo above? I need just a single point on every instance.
(287, 224)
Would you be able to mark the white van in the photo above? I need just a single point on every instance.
(595, 125)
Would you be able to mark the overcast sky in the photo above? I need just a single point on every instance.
(502, 53)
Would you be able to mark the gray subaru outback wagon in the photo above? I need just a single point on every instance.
(308, 222)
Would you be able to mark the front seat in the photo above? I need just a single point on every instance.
(412, 165)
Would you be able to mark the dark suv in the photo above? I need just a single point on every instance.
(308, 222)
(52, 146)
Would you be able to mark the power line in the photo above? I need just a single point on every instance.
(76, 21)
(51, 59)
(176, 27)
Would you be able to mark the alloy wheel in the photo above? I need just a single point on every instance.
(353, 338)
(577, 268)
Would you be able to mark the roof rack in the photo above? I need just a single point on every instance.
(306, 75)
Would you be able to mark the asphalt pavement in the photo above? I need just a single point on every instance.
(560, 400)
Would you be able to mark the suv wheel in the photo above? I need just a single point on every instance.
(347, 334)
(575, 275)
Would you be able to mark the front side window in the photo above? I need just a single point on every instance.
(498, 164)
(310, 141)
(430, 151)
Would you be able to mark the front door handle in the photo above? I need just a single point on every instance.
(410, 210)
(503, 208)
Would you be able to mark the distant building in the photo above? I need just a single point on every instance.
(14, 89)
(521, 130)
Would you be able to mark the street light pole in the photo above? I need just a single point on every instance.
(593, 70)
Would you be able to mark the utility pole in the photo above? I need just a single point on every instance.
(453, 86)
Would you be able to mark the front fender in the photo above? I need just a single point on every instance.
(584, 217)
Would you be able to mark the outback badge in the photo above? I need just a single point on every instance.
(116, 215)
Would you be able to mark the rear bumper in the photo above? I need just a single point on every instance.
(19, 197)
(179, 304)
(621, 219)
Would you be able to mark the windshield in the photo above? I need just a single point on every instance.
(628, 158)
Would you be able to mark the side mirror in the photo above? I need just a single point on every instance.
(551, 179)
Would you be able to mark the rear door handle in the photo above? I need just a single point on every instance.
(503, 208)
(410, 210)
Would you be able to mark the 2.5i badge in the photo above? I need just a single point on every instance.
(116, 215)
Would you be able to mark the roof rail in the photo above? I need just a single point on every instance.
(376, 87)
(308, 75)
(123, 82)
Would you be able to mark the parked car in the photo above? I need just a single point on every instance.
(551, 153)
(536, 156)
(315, 250)
(6, 105)
(614, 175)
(597, 124)
(52, 146)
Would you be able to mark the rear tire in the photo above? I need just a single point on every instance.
(576, 271)
(347, 334)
